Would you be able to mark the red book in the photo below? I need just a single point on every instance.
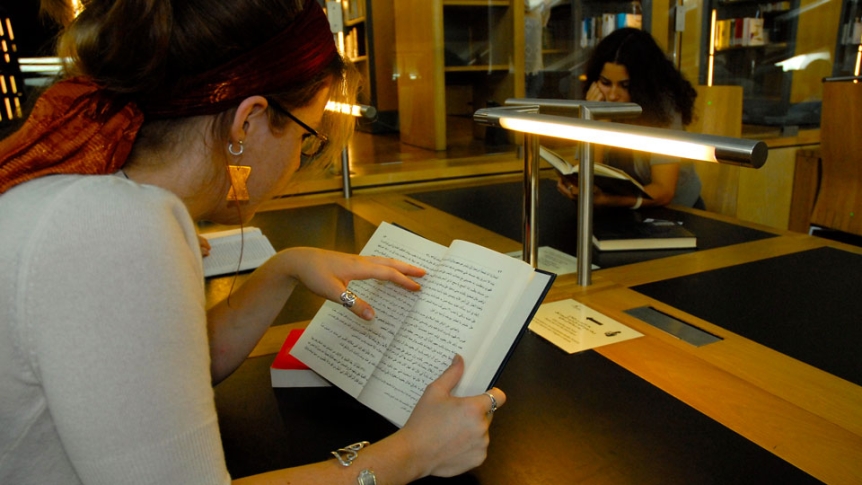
(287, 371)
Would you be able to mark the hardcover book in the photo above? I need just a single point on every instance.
(627, 235)
(610, 179)
(474, 301)
(287, 371)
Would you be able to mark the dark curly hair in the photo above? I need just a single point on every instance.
(654, 82)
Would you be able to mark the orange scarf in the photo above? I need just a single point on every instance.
(72, 129)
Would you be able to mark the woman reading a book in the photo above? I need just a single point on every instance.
(168, 113)
(628, 66)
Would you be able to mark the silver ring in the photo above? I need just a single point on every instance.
(348, 299)
(493, 403)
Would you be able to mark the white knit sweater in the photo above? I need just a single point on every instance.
(104, 361)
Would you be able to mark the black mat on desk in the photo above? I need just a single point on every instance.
(569, 419)
(806, 305)
(499, 208)
(327, 226)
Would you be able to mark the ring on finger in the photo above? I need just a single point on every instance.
(493, 403)
(348, 299)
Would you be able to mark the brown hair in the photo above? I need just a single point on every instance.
(140, 48)
(654, 82)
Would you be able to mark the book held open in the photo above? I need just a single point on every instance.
(610, 179)
(474, 302)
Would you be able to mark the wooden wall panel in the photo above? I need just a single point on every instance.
(718, 111)
(839, 204)
(815, 34)
(421, 82)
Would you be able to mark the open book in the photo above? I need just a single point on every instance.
(474, 301)
(610, 179)
(227, 246)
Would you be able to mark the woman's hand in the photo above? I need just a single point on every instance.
(450, 434)
(567, 189)
(327, 273)
(205, 246)
(600, 198)
(594, 93)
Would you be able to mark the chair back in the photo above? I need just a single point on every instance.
(839, 199)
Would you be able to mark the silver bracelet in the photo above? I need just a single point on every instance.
(347, 454)
(638, 203)
(366, 477)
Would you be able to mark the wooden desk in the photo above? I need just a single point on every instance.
(649, 410)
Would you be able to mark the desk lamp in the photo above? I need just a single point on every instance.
(523, 115)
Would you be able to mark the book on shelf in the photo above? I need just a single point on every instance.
(287, 371)
(226, 247)
(610, 179)
(634, 233)
(474, 301)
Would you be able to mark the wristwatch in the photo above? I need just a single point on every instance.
(366, 477)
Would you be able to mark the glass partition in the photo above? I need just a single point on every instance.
(430, 64)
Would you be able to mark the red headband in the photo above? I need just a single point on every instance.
(76, 127)
(292, 57)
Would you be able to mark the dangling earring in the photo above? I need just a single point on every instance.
(238, 177)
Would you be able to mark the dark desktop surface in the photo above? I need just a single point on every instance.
(576, 418)
(499, 208)
(568, 419)
(806, 305)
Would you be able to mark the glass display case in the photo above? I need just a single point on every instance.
(753, 44)
(454, 57)
(571, 30)
(368, 41)
(848, 47)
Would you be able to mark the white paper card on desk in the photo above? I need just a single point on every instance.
(554, 261)
(227, 245)
(474, 302)
(287, 371)
(574, 327)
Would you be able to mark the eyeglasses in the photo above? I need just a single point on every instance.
(313, 142)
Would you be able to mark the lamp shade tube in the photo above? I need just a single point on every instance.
(675, 143)
(357, 110)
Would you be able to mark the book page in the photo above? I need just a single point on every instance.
(562, 166)
(489, 359)
(345, 349)
(459, 309)
(609, 179)
(227, 245)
